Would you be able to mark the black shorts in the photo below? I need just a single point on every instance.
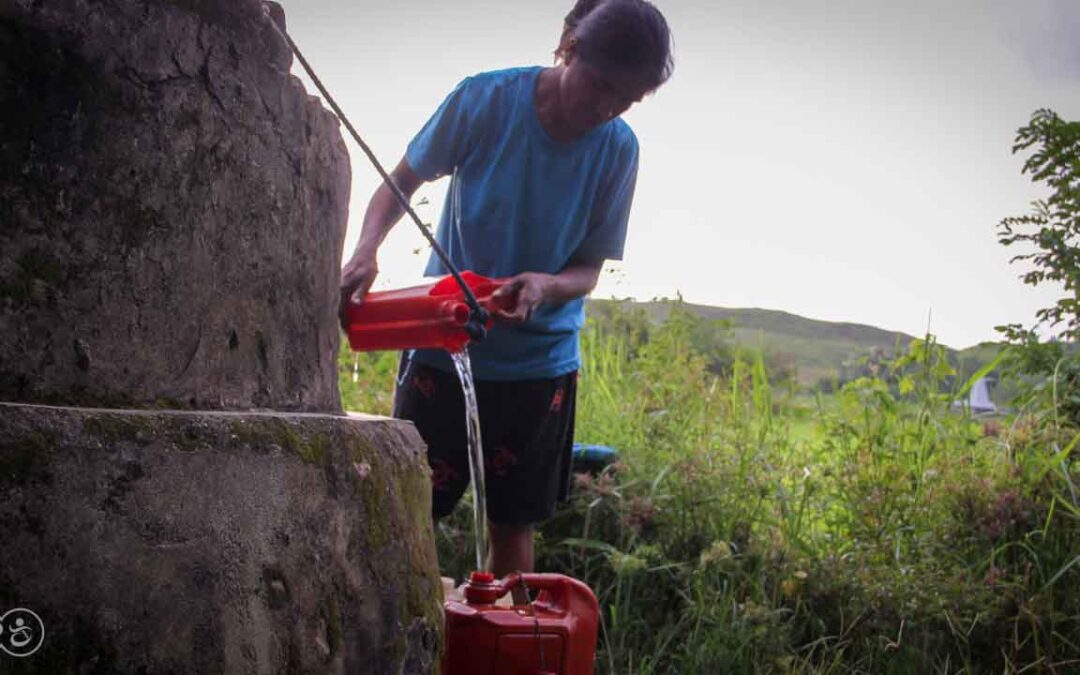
(527, 429)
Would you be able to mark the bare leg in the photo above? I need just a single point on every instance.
(511, 551)
(511, 548)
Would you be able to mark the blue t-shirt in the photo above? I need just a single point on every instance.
(527, 204)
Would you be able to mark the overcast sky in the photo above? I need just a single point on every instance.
(845, 160)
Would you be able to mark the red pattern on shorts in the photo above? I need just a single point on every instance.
(424, 384)
(557, 400)
(500, 464)
(442, 474)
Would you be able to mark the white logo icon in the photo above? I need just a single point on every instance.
(21, 632)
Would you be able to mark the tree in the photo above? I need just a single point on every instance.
(1053, 229)
(1053, 226)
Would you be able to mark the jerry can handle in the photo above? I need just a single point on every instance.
(554, 584)
(482, 587)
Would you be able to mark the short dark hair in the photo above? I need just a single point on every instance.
(580, 10)
(570, 24)
(627, 35)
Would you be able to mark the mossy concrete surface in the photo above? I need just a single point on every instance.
(216, 542)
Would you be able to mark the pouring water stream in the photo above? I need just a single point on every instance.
(472, 415)
(476, 456)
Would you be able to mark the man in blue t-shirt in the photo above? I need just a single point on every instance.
(543, 178)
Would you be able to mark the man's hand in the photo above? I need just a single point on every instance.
(516, 301)
(356, 279)
(382, 212)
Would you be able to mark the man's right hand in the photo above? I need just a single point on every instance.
(382, 212)
(356, 279)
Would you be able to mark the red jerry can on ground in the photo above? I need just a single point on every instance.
(554, 635)
(420, 317)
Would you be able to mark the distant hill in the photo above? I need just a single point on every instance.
(816, 349)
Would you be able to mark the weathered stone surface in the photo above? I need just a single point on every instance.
(172, 209)
(190, 542)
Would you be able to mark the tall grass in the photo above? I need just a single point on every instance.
(748, 528)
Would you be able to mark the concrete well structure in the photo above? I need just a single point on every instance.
(179, 490)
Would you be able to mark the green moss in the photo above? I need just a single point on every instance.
(111, 428)
(166, 403)
(114, 428)
(410, 507)
(40, 264)
(384, 511)
(432, 620)
(397, 649)
(315, 450)
(417, 490)
(421, 600)
(24, 459)
(359, 448)
(13, 290)
(286, 437)
(373, 494)
(267, 432)
(407, 507)
(242, 434)
(422, 593)
(33, 265)
(182, 432)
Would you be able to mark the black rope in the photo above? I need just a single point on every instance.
(536, 621)
(478, 314)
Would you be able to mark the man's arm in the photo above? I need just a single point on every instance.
(382, 213)
(530, 289)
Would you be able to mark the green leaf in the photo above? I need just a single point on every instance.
(1061, 572)
(981, 373)
(907, 385)
(591, 544)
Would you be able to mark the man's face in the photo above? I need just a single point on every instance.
(591, 96)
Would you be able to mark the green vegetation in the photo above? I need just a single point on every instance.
(366, 380)
(815, 354)
(809, 350)
(869, 531)
(1052, 229)
(756, 525)
(1053, 226)
(749, 528)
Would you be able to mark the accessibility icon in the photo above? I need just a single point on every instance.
(21, 632)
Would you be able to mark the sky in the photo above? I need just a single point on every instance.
(844, 160)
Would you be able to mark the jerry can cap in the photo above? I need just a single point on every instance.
(482, 589)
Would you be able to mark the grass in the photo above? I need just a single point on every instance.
(752, 526)
(811, 350)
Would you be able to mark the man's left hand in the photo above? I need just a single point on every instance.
(517, 300)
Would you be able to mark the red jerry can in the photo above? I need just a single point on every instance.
(419, 317)
(554, 635)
